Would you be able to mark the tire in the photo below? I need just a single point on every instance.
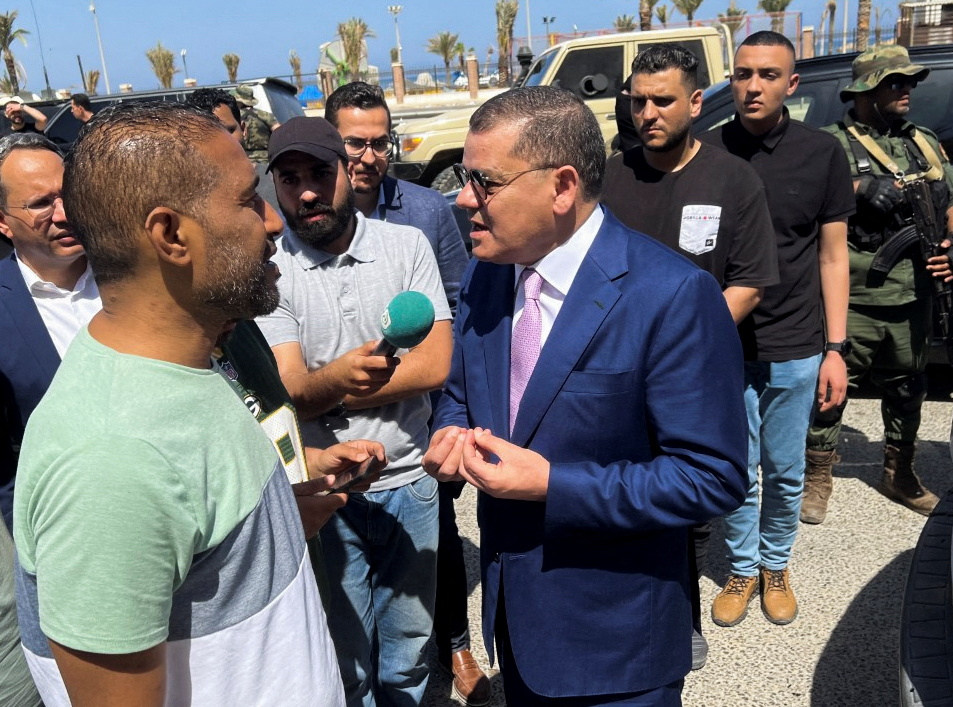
(926, 625)
(445, 181)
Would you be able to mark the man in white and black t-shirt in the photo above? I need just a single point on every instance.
(698, 200)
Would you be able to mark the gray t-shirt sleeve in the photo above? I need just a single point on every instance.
(281, 326)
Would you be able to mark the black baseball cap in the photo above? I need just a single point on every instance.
(312, 136)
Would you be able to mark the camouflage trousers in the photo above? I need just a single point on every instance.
(890, 348)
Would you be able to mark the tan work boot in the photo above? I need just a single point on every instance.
(731, 606)
(818, 485)
(900, 482)
(777, 597)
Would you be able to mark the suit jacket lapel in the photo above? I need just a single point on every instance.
(26, 317)
(590, 299)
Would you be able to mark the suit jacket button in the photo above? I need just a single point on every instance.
(496, 557)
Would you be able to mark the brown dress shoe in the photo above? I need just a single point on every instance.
(470, 683)
(731, 606)
(777, 597)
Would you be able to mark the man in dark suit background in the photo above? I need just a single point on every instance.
(629, 428)
(47, 292)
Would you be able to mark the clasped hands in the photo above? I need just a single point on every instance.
(457, 453)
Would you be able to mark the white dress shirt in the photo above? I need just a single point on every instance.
(558, 270)
(64, 312)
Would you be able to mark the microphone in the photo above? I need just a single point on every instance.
(405, 323)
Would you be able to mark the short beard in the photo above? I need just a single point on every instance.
(320, 234)
(670, 142)
(236, 292)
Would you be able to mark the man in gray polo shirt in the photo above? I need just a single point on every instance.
(339, 272)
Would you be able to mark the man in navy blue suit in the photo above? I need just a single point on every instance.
(47, 292)
(629, 428)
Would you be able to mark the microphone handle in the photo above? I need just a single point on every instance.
(384, 348)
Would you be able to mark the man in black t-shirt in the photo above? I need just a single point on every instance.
(810, 197)
(679, 191)
(20, 118)
(698, 200)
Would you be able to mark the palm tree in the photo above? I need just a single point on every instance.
(776, 9)
(92, 81)
(444, 45)
(231, 62)
(489, 57)
(163, 64)
(662, 13)
(624, 23)
(354, 33)
(863, 25)
(505, 19)
(879, 14)
(687, 8)
(645, 14)
(295, 62)
(733, 18)
(7, 36)
(831, 11)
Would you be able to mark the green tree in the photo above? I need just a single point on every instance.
(295, 62)
(688, 8)
(624, 23)
(661, 12)
(92, 81)
(7, 36)
(231, 62)
(863, 25)
(354, 33)
(645, 14)
(879, 14)
(444, 45)
(163, 64)
(460, 51)
(733, 18)
(505, 19)
(776, 10)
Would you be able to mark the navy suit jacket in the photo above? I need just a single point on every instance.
(28, 361)
(424, 208)
(637, 402)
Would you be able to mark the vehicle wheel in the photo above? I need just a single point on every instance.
(445, 181)
(926, 625)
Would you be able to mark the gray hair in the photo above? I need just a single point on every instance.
(555, 129)
(22, 141)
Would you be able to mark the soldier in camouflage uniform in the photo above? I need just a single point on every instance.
(258, 124)
(889, 318)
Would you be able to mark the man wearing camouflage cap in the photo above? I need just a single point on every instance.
(258, 124)
(889, 317)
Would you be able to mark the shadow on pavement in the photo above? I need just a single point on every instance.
(859, 664)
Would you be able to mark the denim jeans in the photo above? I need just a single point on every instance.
(6, 504)
(381, 555)
(779, 400)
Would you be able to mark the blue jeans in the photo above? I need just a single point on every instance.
(779, 399)
(6, 504)
(381, 556)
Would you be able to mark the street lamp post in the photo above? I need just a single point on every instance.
(547, 21)
(395, 10)
(49, 91)
(99, 40)
(529, 30)
(185, 66)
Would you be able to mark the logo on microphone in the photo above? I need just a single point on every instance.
(385, 318)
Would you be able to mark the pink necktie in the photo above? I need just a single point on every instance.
(524, 348)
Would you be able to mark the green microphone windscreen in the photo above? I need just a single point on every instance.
(407, 320)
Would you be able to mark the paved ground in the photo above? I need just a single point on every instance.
(848, 573)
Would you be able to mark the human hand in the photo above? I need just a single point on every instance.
(882, 193)
(520, 474)
(939, 265)
(443, 458)
(360, 374)
(831, 382)
(345, 458)
(315, 505)
(13, 111)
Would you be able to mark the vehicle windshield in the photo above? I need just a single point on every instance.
(538, 69)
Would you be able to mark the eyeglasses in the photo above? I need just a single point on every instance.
(355, 147)
(481, 184)
(41, 209)
(899, 84)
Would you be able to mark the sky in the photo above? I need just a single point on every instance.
(263, 32)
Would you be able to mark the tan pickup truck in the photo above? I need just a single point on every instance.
(591, 67)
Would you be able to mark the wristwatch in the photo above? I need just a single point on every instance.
(337, 411)
(842, 347)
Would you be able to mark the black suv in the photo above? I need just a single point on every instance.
(817, 102)
(279, 99)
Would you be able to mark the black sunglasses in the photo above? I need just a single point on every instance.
(482, 184)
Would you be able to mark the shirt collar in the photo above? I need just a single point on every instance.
(361, 248)
(35, 284)
(770, 139)
(559, 267)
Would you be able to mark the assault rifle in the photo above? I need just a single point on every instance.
(923, 228)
